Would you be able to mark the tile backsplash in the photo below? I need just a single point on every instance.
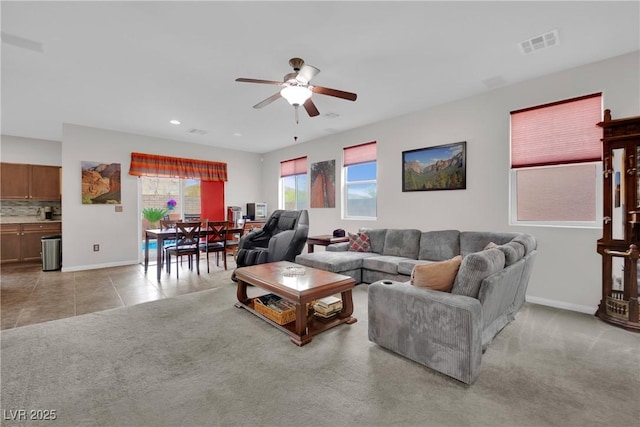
(27, 208)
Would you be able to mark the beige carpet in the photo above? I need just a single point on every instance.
(196, 360)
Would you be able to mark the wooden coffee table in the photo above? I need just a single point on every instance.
(299, 290)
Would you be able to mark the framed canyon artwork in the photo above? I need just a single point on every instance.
(101, 183)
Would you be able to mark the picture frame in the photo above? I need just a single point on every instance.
(323, 184)
(441, 167)
(101, 183)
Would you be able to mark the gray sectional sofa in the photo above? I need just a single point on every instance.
(447, 332)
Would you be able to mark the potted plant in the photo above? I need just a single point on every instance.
(171, 204)
(153, 215)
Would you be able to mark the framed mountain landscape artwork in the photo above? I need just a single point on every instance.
(443, 167)
(100, 183)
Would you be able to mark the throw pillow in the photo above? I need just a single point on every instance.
(438, 276)
(490, 245)
(359, 242)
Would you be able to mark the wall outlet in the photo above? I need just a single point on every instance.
(96, 248)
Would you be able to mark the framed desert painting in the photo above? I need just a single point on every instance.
(443, 167)
(100, 183)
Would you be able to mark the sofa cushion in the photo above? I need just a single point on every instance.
(526, 240)
(475, 241)
(406, 266)
(439, 245)
(383, 263)
(335, 262)
(359, 242)
(402, 243)
(376, 237)
(513, 251)
(474, 269)
(438, 276)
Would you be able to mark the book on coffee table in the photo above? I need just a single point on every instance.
(275, 302)
(328, 301)
(328, 310)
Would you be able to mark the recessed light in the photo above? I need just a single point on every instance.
(237, 134)
(174, 122)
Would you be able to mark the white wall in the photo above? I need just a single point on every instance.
(118, 234)
(16, 149)
(568, 269)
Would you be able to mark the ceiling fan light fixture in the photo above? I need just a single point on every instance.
(296, 95)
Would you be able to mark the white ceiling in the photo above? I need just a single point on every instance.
(133, 66)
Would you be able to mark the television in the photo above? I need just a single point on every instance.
(256, 211)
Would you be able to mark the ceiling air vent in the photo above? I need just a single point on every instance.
(197, 131)
(540, 42)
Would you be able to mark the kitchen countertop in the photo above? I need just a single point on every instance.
(26, 220)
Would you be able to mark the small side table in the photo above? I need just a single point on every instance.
(324, 240)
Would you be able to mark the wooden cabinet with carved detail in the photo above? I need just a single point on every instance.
(620, 242)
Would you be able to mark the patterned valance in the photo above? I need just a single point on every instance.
(172, 167)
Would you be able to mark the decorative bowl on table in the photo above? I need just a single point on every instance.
(294, 271)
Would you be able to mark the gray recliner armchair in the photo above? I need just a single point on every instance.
(281, 239)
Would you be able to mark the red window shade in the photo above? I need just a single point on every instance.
(362, 153)
(559, 133)
(293, 167)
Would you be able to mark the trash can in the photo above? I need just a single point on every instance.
(51, 252)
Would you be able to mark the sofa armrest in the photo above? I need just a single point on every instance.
(437, 329)
(338, 247)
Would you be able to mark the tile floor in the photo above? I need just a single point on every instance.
(29, 295)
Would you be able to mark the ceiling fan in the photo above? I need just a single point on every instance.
(297, 90)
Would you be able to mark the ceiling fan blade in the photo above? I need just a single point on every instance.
(268, 101)
(311, 108)
(268, 82)
(306, 73)
(334, 92)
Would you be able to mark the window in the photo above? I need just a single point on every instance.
(360, 181)
(293, 184)
(156, 192)
(555, 162)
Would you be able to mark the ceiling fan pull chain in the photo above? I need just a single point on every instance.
(297, 116)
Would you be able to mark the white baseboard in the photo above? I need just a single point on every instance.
(563, 305)
(97, 266)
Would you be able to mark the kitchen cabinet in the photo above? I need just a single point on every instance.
(10, 242)
(29, 182)
(22, 242)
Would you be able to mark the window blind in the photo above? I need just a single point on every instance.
(559, 133)
(293, 167)
(362, 153)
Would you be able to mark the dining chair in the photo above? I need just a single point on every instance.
(215, 241)
(233, 239)
(167, 224)
(187, 244)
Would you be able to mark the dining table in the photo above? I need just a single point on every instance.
(160, 235)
